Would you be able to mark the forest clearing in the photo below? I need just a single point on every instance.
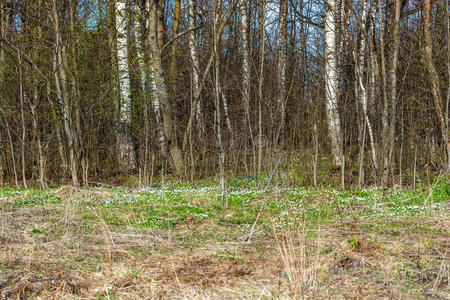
(224, 149)
(181, 242)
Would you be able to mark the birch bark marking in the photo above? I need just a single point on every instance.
(124, 143)
(281, 68)
(150, 7)
(331, 83)
(363, 94)
(194, 56)
(138, 20)
(217, 90)
(245, 61)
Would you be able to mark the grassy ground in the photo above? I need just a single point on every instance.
(180, 241)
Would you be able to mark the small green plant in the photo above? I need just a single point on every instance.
(353, 242)
(36, 231)
(132, 272)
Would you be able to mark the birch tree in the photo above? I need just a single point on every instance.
(195, 66)
(245, 62)
(362, 82)
(331, 83)
(217, 114)
(123, 134)
(282, 66)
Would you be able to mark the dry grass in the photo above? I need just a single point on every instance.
(68, 250)
(301, 262)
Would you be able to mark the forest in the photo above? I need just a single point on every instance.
(224, 149)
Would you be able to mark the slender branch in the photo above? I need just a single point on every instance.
(180, 35)
(23, 55)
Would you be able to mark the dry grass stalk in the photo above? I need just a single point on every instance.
(300, 264)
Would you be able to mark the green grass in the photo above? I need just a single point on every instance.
(157, 207)
(187, 223)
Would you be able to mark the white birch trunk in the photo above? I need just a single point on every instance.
(331, 83)
(245, 59)
(217, 90)
(362, 91)
(151, 9)
(194, 57)
(125, 146)
(140, 50)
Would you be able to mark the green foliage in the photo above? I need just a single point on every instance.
(178, 203)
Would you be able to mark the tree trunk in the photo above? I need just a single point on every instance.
(447, 142)
(63, 94)
(161, 91)
(75, 92)
(123, 134)
(194, 59)
(391, 108)
(217, 117)
(24, 133)
(176, 25)
(363, 95)
(434, 77)
(281, 69)
(331, 84)
(262, 43)
(152, 28)
(245, 63)
(33, 106)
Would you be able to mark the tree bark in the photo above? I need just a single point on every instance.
(281, 69)
(262, 43)
(331, 83)
(195, 66)
(33, 106)
(161, 91)
(63, 94)
(391, 108)
(245, 63)
(434, 78)
(123, 135)
(217, 114)
(11, 147)
(24, 133)
(363, 94)
(175, 27)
